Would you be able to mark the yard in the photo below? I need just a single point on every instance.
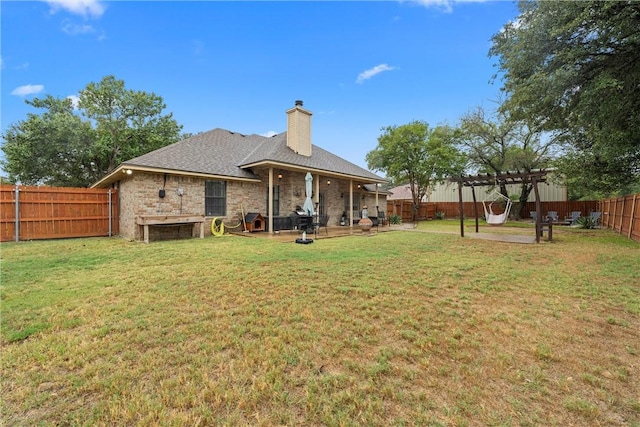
(399, 328)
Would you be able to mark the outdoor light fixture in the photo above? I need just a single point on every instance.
(328, 182)
(279, 176)
(358, 185)
(127, 171)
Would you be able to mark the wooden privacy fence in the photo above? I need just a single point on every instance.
(404, 208)
(30, 213)
(622, 215)
(428, 210)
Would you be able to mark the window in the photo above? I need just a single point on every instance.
(321, 205)
(215, 198)
(276, 200)
(356, 204)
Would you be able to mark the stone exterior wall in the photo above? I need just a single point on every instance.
(139, 195)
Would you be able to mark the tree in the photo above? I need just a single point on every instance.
(500, 145)
(128, 123)
(572, 68)
(76, 148)
(416, 154)
(52, 149)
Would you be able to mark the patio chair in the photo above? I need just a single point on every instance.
(323, 221)
(381, 218)
(595, 216)
(573, 218)
(552, 216)
(533, 215)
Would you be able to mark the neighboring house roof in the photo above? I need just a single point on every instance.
(402, 192)
(225, 154)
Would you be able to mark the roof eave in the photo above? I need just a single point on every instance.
(123, 168)
(291, 166)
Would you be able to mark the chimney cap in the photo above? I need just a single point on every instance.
(298, 103)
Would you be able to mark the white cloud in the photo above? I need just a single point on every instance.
(366, 75)
(444, 5)
(75, 29)
(86, 8)
(27, 90)
(74, 101)
(269, 134)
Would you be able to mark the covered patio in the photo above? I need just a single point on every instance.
(322, 234)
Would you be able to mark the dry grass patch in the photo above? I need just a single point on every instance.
(398, 329)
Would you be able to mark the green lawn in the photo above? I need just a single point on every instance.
(400, 328)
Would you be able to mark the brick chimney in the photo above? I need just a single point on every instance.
(299, 130)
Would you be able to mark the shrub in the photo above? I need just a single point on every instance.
(587, 222)
(395, 219)
(439, 215)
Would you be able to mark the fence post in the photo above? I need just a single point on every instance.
(624, 199)
(633, 212)
(109, 194)
(17, 227)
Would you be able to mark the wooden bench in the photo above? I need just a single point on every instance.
(146, 220)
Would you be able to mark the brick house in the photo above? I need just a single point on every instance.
(224, 174)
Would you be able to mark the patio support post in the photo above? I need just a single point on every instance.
(475, 206)
(270, 202)
(351, 203)
(538, 210)
(316, 192)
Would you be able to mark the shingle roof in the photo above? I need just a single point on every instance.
(275, 149)
(217, 152)
(225, 153)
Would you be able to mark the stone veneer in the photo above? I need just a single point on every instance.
(139, 196)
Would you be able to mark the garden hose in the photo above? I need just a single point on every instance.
(217, 226)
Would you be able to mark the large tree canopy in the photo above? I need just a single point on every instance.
(573, 68)
(76, 148)
(418, 155)
(498, 145)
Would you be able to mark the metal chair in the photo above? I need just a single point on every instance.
(381, 218)
(322, 221)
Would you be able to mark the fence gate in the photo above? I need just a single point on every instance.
(30, 213)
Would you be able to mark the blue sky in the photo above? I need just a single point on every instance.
(358, 66)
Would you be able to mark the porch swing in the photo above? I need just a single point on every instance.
(492, 218)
